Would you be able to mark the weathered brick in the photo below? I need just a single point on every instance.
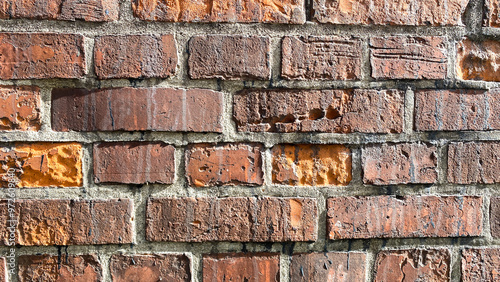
(338, 111)
(163, 267)
(311, 165)
(474, 162)
(481, 264)
(492, 16)
(404, 217)
(390, 12)
(135, 56)
(402, 163)
(450, 110)
(495, 217)
(229, 57)
(224, 164)
(3, 267)
(59, 268)
(87, 10)
(287, 11)
(477, 60)
(406, 57)
(231, 219)
(328, 266)
(20, 108)
(134, 162)
(43, 164)
(137, 109)
(322, 58)
(41, 55)
(413, 265)
(241, 267)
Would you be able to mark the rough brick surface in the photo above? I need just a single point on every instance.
(88, 10)
(134, 162)
(287, 11)
(20, 108)
(413, 265)
(150, 268)
(474, 162)
(450, 110)
(135, 56)
(322, 58)
(229, 57)
(478, 60)
(481, 264)
(404, 217)
(495, 217)
(312, 165)
(41, 55)
(492, 16)
(231, 219)
(43, 164)
(339, 111)
(224, 164)
(59, 268)
(399, 163)
(241, 267)
(406, 57)
(137, 109)
(3, 269)
(328, 266)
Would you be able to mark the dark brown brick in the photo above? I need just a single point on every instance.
(495, 216)
(474, 162)
(338, 111)
(404, 217)
(322, 58)
(41, 55)
(135, 56)
(231, 219)
(20, 108)
(150, 268)
(229, 57)
(402, 163)
(451, 110)
(477, 60)
(328, 266)
(242, 267)
(405, 57)
(481, 264)
(224, 164)
(413, 265)
(492, 16)
(134, 162)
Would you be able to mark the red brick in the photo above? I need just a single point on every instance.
(413, 265)
(402, 163)
(474, 162)
(59, 268)
(492, 16)
(150, 268)
(321, 58)
(406, 57)
(229, 57)
(477, 60)
(224, 164)
(87, 10)
(495, 217)
(451, 110)
(135, 56)
(231, 219)
(20, 108)
(41, 55)
(287, 11)
(137, 109)
(311, 165)
(241, 267)
(481, 264)
(391, 12)
(404, 217)
(338, 111)
(134, 162)
(328, 266)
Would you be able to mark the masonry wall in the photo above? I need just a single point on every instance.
(250, 140)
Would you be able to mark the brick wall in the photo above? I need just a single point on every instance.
(250, 140)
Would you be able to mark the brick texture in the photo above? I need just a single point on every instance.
(150, 268)
(59, 268)
(474, 162)
(328, 266)
(477, 60)
(3, 269)
(241, 267)
(481, 264)
(495, 217)
(20, 108)
(231, 219)
(404, 217)
(492, 16)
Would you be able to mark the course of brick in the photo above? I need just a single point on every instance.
(256, 140)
